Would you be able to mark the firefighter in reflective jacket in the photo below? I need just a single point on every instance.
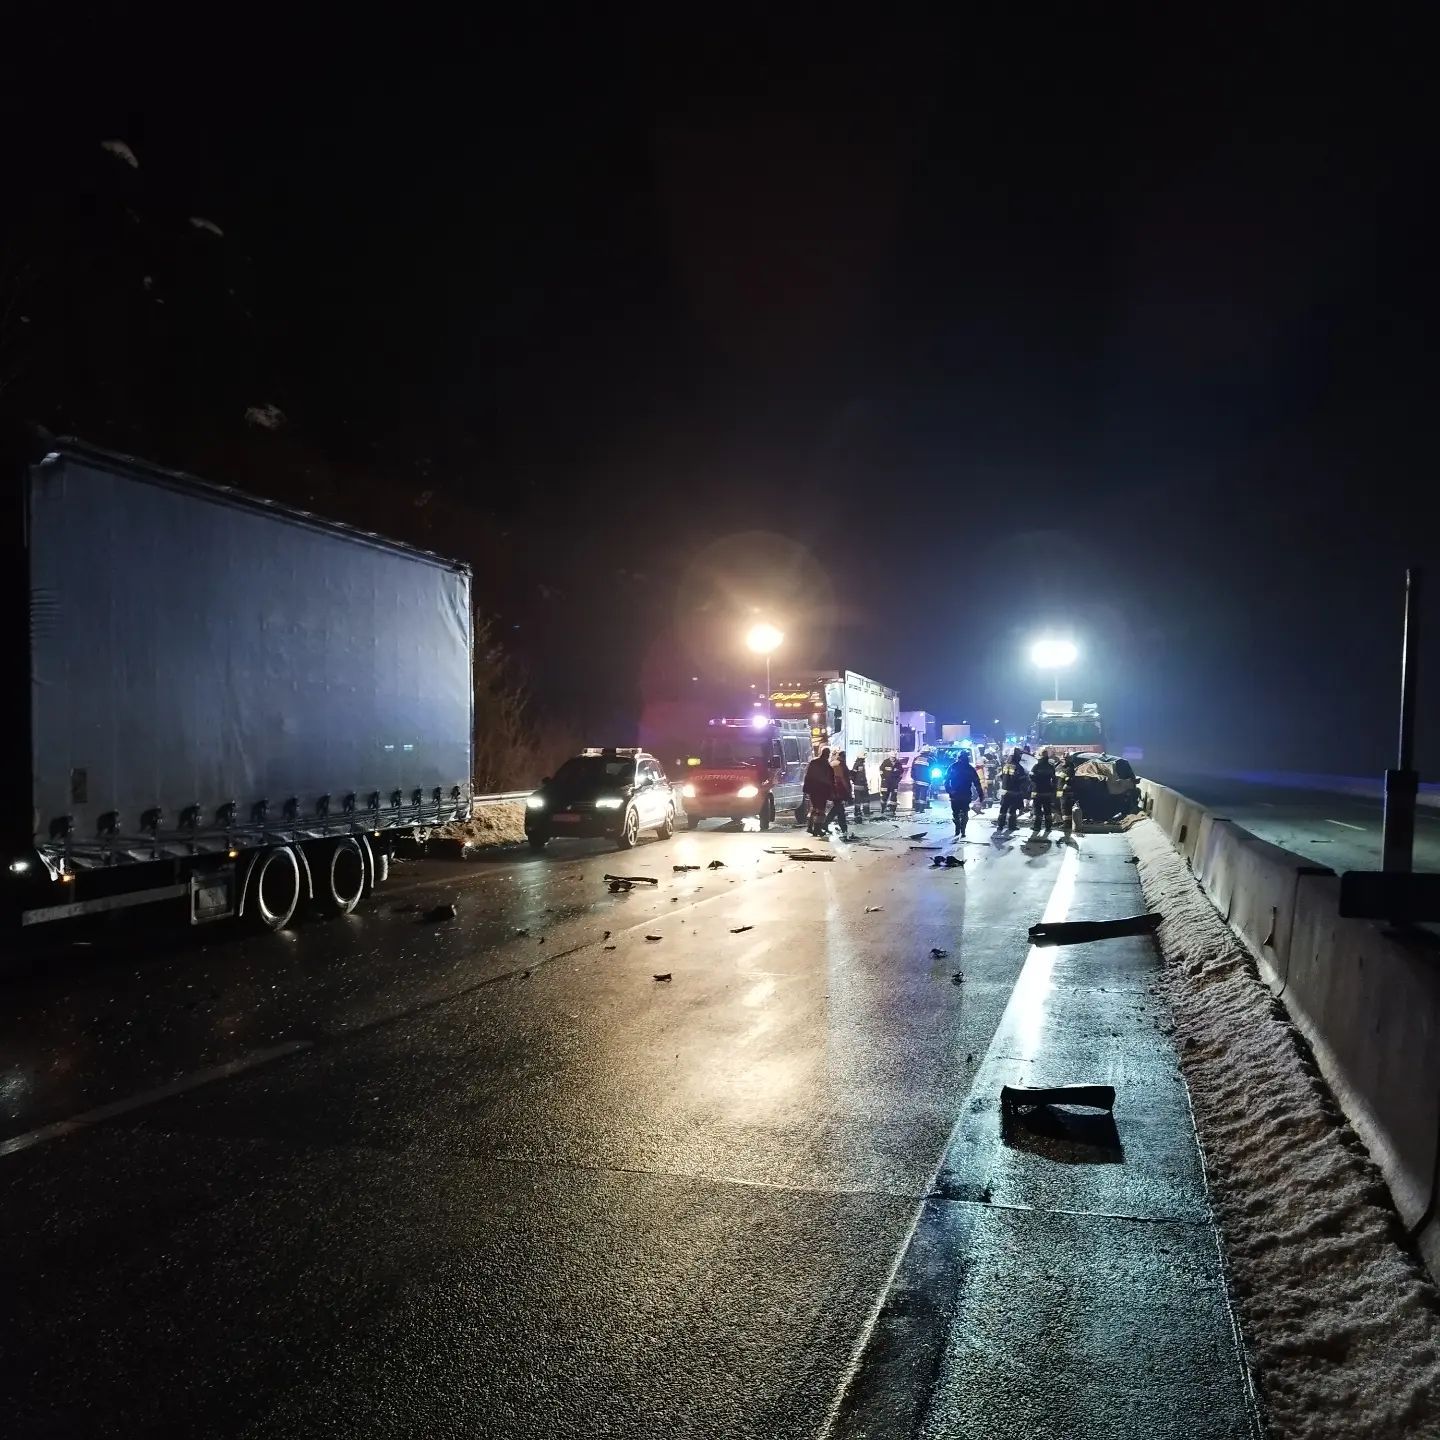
(1042, 780)
(1014, 786)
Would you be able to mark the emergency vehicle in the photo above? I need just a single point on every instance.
(1066, 728)
(745, 766)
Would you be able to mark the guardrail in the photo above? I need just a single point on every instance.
(1366, 998)
(477, 800)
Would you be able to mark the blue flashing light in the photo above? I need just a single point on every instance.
(936, 773)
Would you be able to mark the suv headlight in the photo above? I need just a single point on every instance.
(535, 802)
(609, 802)
(748, 792)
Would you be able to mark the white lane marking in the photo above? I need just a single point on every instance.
(178, 1086)
(1056, 910)
(1345, 824)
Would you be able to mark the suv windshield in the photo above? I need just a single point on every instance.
(583, 772)
(1068, 730)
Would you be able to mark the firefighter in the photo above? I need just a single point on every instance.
(1042, 781)
(1014, 784)
(1069, 818)
(891, 769)
(860, 785)
(920, 781)
(962, 780)
(841, 793)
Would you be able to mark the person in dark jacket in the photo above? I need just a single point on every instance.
(860, 784)
(891, 770)
(840, 796)
(962, 781)
(1042, 781)
(819, 787)
(1014, 783)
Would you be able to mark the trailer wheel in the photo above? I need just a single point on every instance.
(274, 888)
(342, 876)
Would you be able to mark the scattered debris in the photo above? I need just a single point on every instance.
(609, 947)
(654, 937)
(1133, 860)
(936, 953)
(918, 835)
(606, 935)
(716, 865)
(946, 862)
(631, 879)
(958, 978)
(970, 1058)
(666, 976)
(808, 855)
(679, 869)
(619, 887)
(1076, 932)
(924, 847)
(1093, 1097)
(440, 912)
(541, 940)
(524, 974)
(740, 929)
(201, 223)
(873, 909)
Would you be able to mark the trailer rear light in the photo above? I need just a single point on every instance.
(19, 867)
(233, 854)
(67, 878)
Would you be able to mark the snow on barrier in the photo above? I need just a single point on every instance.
(1367, 1001)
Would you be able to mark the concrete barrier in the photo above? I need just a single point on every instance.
(1367, 1001)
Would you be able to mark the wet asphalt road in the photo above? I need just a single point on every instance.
(384, 1177)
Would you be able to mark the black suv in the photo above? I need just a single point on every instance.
(602, 792)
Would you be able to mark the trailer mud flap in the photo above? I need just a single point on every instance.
(212, 897)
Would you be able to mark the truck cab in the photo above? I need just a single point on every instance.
(1064, 728)
(744, 767)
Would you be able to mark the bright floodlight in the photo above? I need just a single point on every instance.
(1052, 654)
(759, 721)
(762, 639)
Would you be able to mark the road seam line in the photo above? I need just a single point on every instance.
(182, 1083)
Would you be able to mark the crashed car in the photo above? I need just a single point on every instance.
(1103, 788)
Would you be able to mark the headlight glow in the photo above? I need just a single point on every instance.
(748, 792)
(609, 802)
(535, 802)
(688, 791)
(19, 867)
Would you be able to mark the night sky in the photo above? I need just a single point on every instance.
(919, 340)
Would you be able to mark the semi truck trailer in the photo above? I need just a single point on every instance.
(217, 701)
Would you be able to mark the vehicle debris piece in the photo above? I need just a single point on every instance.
(666, 976)
(924, 847)
(936, 953)
(740, 929)
(946, 862)
(873, 909)
(680, 869)
(606, 935)
(1076, 932)
(654, 937)
(1092, 1097)
(631, 879)
(609, 947)
(619, 887)
(958, 978)
(716, 865)
(918, 835)
(521, 931)
(440, 912)
(809, 855)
